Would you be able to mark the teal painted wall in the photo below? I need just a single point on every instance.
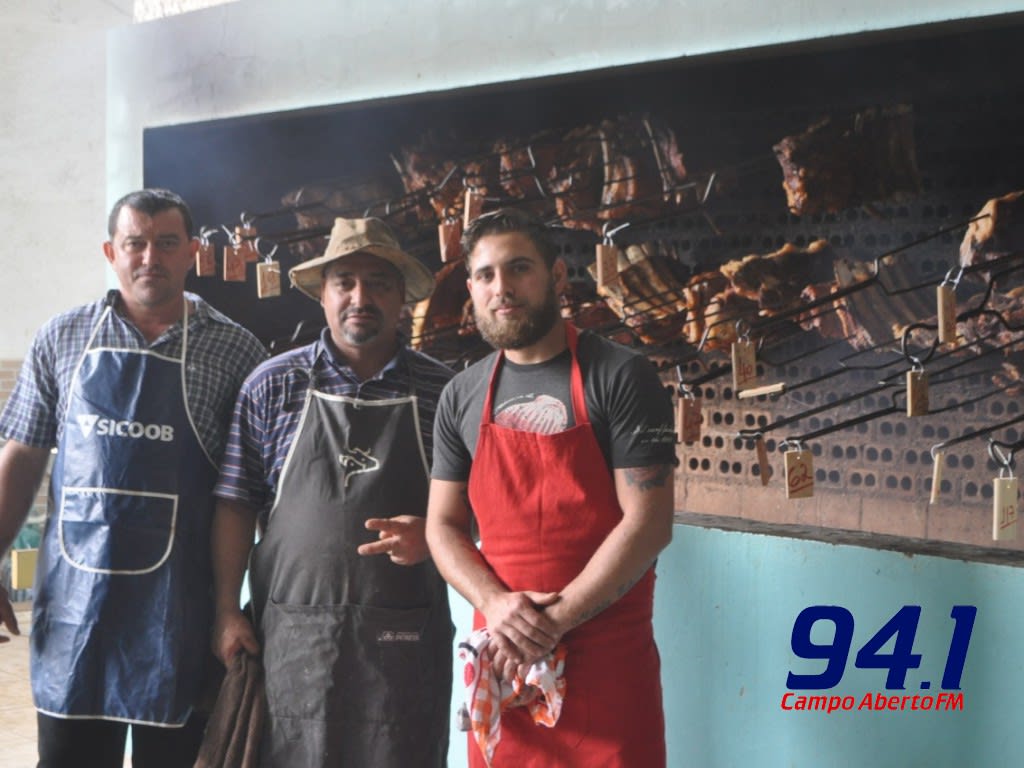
(724, 612)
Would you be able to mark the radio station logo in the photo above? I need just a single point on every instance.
(897, 634)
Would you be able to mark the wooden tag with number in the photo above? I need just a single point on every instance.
(607, 264)
(23, 568)
(764, 468)
(206, 262)
(234, 264)
(940, 460)
(946, 302)
(244, 237)
(688, 419)
(799, 474)
(744, 364)
(472, 207)
(1004, 509)
(449, 234)
(917, 393)
(268, 279)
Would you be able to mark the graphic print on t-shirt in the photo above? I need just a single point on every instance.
(542, 414)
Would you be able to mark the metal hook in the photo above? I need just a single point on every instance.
(606, 233)
(916, 363)
(533, 164)
(266, 257)
(743, 330)
(950, 280)
(1004, 460)
(708, 188)
(686, 391)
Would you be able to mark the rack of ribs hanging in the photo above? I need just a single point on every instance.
(629, 171)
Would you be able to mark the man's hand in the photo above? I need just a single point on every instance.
(402, 538)
(232, 634)
(521, 632)
(7, 617)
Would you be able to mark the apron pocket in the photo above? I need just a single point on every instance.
(353, 663)
(105, 530)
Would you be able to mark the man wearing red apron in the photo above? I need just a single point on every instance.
(328, 451)
(561, 446)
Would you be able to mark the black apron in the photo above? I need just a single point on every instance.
(357, 649)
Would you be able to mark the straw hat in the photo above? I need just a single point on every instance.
(364, 236)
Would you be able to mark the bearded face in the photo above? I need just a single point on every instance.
(514, 292)
(516, 324)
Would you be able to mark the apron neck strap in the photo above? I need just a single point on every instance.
(323, 356)
(579, 405)
(184, 330)
(109, 309)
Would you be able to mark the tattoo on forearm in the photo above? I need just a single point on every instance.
(588, 615)
(622, 589)
(646, 478)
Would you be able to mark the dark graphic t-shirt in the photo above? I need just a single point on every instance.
(630, 410)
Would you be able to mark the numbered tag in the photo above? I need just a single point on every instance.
(744, 364)
(946, 301)
(688, 420)
(449, 234)
(206, 262)
(23, 568)
(473, 207)
(917, 393)
(244, 237)
(234, 264)
(607, 264)
(764, 468)
(1004, 509)
(268, 279)
(940, 462)
(799, 474)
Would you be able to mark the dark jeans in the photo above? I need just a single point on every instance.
(100, 743)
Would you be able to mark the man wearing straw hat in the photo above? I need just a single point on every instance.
(328, 455)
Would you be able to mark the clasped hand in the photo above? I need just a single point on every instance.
(522, 633)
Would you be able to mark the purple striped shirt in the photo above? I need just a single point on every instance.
(270, 405)
(220, 355)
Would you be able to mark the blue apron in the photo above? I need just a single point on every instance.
(120, 625)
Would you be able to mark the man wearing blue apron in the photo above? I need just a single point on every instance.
(134, 391)
(328, 453)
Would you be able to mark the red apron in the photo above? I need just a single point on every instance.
(544, 504)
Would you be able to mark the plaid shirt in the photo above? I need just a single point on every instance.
(220, 354)
(271, 401)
